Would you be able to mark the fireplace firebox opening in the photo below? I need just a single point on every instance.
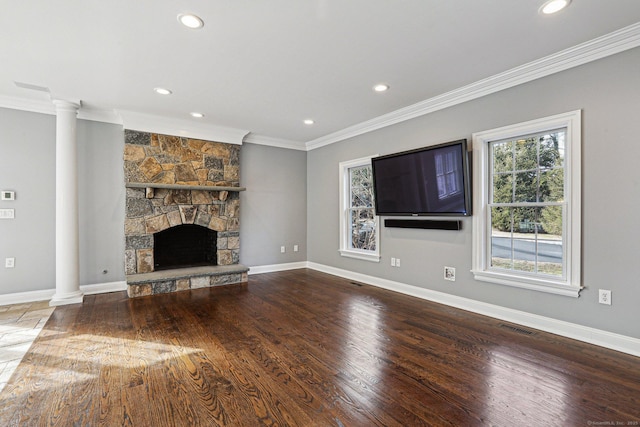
(182, 246)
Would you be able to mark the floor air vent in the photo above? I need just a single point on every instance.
(516, 329)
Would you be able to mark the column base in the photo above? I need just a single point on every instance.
(65, 299)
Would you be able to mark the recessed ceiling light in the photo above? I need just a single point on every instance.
(190, 20)
(162, 91)
(197, 115)
(308, 122)
(381, 87)
(553, 6)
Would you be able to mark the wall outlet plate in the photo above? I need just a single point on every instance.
(450, 274)
(604, 296)
(9, 262)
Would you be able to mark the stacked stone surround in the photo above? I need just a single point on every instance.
(171, 160)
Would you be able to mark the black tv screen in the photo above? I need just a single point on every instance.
(427, 181)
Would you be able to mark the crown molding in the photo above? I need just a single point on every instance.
(601, 47)
(48, 107)
(96, 115)
(138, 121)
(274, 142)
(31, 105)
(180, 127)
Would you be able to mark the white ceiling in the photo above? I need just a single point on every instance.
(263, 66)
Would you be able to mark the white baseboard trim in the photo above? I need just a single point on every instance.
(103, 288)
(24, 297)
(586, 334)
(277, 267)
(47, 294)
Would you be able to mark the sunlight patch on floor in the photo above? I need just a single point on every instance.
(20, 324)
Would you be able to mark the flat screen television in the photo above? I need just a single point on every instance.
(429, 181)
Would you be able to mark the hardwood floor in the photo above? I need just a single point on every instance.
(303, 348)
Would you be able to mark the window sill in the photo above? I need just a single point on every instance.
(360, 255)
(548, 286)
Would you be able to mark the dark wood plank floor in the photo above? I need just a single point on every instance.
(302, 348)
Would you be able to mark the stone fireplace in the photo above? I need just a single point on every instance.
(182, 224)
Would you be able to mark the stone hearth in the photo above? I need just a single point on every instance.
(173, 181)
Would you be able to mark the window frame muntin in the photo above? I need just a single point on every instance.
(571, 284)
(490, 204)
(344, 182)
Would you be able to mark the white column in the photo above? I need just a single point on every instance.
(67, 246)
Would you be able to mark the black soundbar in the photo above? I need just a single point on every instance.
(431, 224)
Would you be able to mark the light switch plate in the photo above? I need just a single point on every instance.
(7, 213)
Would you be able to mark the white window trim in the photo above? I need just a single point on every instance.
(571, 284)
(345, 250)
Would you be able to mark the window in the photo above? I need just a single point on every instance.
(359, 237)
(527, 204)
(447, 174)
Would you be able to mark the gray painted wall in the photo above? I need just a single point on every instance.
(273, 210)
(101, 199)
(608, 92)
(27, 146)
(27, 166)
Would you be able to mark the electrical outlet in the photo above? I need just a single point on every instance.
(282, 249)
(295, 248)
(450, 274)
(604, 296)
(393, 262)
(397, 262)
(9, 262)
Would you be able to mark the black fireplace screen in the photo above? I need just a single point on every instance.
(184, 246)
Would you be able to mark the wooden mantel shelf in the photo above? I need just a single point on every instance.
(182, 187)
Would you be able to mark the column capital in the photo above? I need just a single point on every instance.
(66, 105)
